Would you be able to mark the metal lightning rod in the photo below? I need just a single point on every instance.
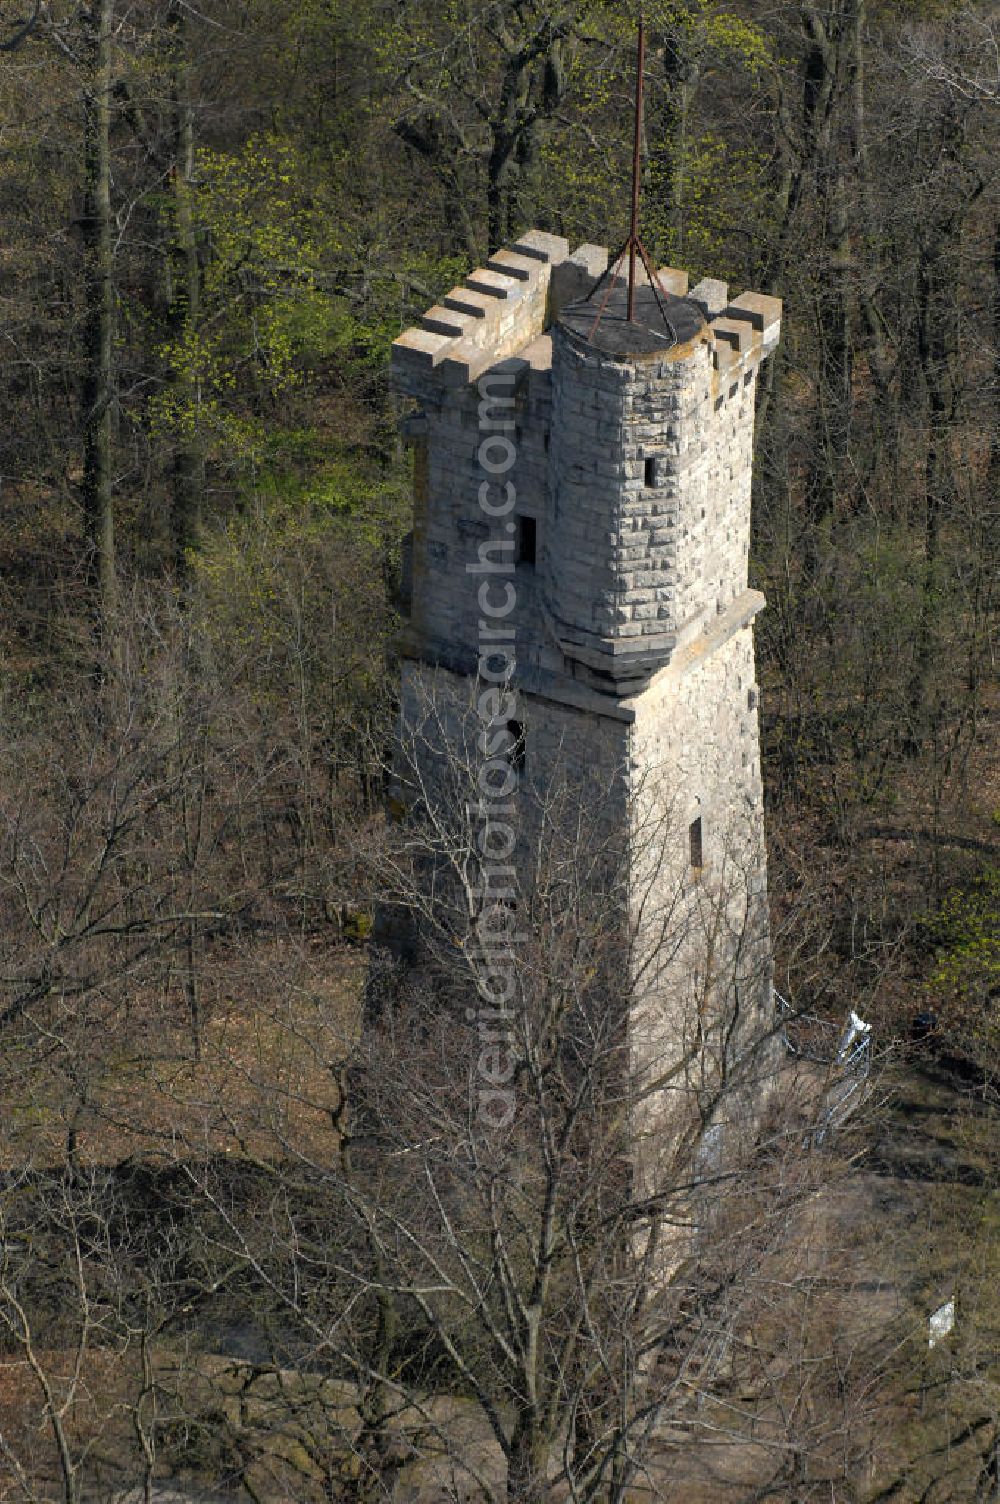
(634, 244)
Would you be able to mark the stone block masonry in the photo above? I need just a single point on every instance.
(620, 519)
(635, 473)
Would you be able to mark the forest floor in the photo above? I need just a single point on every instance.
(915, 1224)
(261, 1081)
(910, 1224)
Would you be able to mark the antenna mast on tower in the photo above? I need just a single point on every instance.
(633, 247)
(634, 243)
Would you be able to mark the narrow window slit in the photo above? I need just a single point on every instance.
(696, 844)
(516, 753)
(527, 540)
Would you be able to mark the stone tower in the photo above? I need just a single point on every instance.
(582, 506)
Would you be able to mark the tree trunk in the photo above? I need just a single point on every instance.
(993, 472)
(189, 460)
(834, 405)
(533, 88)
(98, 278)
(832, 39)
(680, 75)
(528, 1460)
(936, 351)
(883, 455)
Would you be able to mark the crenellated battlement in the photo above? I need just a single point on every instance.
(521, 291)
(499, 309)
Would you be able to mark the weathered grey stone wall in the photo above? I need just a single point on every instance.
(571, 755)
(616, 568)
(650, 494)
(702, 965)
(511, 403)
